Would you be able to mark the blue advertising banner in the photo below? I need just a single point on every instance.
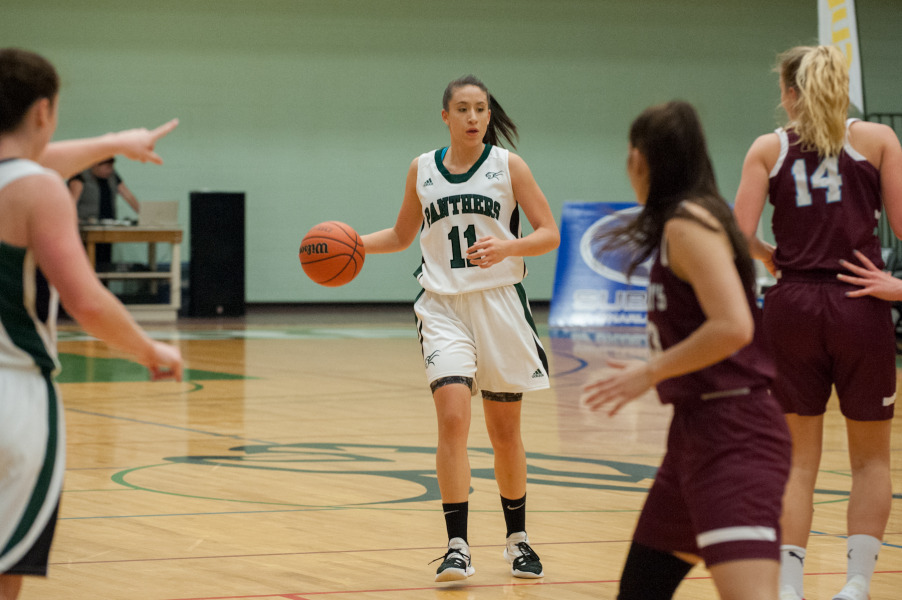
(590, 287)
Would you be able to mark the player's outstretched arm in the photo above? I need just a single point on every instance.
(73, 156)
(53, 235)
(703, 258)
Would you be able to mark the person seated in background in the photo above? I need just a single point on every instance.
(94, 191)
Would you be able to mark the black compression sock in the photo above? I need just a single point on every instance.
(456, 519)
(514, 514)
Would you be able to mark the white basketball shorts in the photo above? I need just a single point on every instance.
(32, 456)
(489, 336)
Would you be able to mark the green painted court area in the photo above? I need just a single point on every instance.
(77, 368)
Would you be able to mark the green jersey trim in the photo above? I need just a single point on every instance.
(460, 177)
(18, 323)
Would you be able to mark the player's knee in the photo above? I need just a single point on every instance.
(506, 440)
(453, 425)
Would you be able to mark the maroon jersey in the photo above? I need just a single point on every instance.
(673, 314)
(823, 207)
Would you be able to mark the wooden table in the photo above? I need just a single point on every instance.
(113, 234)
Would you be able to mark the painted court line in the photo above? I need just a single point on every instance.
(313, 333)
(307, 595)
(166, 426)
(313, 552)
(355, 593)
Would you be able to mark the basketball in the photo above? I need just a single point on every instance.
(331, 253)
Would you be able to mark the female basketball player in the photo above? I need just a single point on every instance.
(38, 232)
(825, 176)
(473, 318)
(717, 493)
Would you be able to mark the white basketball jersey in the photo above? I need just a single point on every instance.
(28, 324)
(459, 210)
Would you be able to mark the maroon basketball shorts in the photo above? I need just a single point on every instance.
(819, 337)
(718, 494)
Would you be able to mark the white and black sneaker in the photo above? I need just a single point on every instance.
(456, 564)
(856, 588)
(524, 561)
(787, 592)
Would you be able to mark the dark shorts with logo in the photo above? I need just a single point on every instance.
(820, 338)
(719, 491)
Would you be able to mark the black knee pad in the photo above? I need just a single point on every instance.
(502, 396)
(441, 381)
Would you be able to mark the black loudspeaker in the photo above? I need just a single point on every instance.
(216, 272)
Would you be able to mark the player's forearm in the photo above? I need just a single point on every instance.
(539, 242)
(104, 317)
(73, 156)
(709, 344)
(383, 242)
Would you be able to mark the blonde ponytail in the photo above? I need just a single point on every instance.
(821, 79)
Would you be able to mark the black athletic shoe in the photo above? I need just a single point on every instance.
(456, 563)
(524, 561)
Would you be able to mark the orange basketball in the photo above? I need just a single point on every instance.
(331, 253)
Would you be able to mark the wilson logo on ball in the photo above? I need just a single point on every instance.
(321, 248)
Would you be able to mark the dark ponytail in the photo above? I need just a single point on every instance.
(500, 125)
(671, 138)
(25, 78)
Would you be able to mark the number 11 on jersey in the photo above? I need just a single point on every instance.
(457, 258)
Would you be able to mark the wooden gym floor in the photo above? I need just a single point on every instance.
(296, 462)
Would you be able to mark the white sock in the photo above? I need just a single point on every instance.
(862, 556)
(792, 567)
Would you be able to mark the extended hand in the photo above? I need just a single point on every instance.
(138, 144)
(616, 390)
(165, 363)
(872, 280)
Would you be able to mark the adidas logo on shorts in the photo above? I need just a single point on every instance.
(538, 373)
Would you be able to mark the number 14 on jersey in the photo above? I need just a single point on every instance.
(826, 176)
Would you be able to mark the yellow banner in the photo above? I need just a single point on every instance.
(837, 27)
